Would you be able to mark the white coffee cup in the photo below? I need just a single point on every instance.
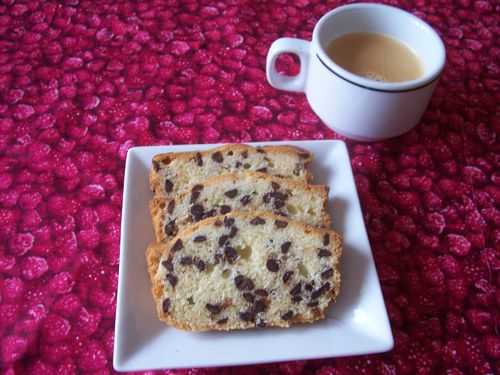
(353, 106)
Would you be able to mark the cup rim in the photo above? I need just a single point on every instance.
(428, 78)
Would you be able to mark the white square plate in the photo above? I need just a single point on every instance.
(356, 324)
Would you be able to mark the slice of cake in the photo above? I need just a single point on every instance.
(174, 171)
(245, 270)
(243, 192)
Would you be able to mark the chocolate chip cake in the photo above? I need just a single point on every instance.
(244, 192)
(245, 270)
(173, 171)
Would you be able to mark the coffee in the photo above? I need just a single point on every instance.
(375, 56)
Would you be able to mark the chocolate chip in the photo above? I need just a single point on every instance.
(309, 287)
(222, 321)
(327, 274)
(313, 304)
(297, 169)
(263, 170)
(296, 299)
(257, 220)
(249, 297)
(200, 239)
(281, 213)
(230, 153)
(266, 198)
(277, 204)
(231, 193)
(243, 283)
(218, 223)
(170, 228)
(217, 258)
(322, 253)
(186, 261)
(288, 315)
(194, 196)
(260, 150)
(247, 316)
(261, 323)
(199, 160)
(177, 246)
(197, 187)
(238, 164)
(285, 247)
(280, 224)
(168, 265)
(296, 289)
(304, 155)
(261, 292)
(172, 279)
(230, 254)
(259, 306)
(200, 265)
(244, 154)
(166, 305)
(171, 206)
(326, 239)
(168, 186)
(225, 209)
(233, 232)
(195, 192)
(197, 212)
(275, 185)
(278, 195)
(214, 309)
(228, 221)
(217, 157)
(245, 200)
(272, 265)
(319, 292)
(287, 275)
(156, 165)
(223, 239)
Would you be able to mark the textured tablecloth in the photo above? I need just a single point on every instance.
(83, 81)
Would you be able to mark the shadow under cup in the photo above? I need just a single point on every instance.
(393, 22)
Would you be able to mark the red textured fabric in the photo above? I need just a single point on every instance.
(83, 81)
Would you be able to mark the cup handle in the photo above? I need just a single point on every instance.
(298, 47)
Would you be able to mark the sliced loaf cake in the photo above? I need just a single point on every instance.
(243, 192)
(245, 270)
(172, 172)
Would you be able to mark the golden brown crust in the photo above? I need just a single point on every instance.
(156, 251)
(155, 178)
(236, 147)
(155, 208)
(158, 205)
(153, 254)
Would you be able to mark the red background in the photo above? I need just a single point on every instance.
(83, 81)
